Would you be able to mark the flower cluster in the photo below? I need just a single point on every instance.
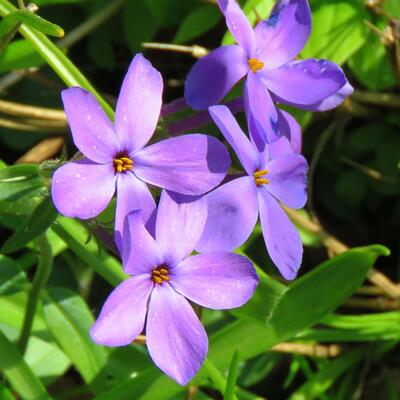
(196, 211)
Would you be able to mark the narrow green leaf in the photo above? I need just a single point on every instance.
(322, 380)
(18, 374)
(198, 22)
(56, 59)
(305, 303)
(11, 20)
(232, 377)
(37, 223)
(75, 235)
(12, 278)
(5, 394)
(19, 180)
(19, 54)
(69, 321)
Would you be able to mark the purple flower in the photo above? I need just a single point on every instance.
(116, 158)
(275, 174)
(164, 275)
(265, 55)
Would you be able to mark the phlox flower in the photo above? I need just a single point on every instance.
(116, 158)
(164, 276)
(275, 174)
(265, 55)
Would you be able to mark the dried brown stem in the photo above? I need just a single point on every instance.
(312, 350)
(377, 304)
(28, 111)
(42, 151)
(33, 125)
(336, 247)
(195, 51)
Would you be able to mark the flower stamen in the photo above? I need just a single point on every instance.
(122, 164)
(160, 275)
(255, 64)
(258, 176)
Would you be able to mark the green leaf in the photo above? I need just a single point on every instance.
(356, 328)
(5, 394)
(42, 217)
(321, 381)
(139, 24)
(338, 29)
(69, 321)
(12, 20)
(232, 377)
(75, 235)
(19, 55)
(392, 7)
(307, 301)
(12, 278)
(18, 374)
(169, 12)
(198, 22)
(19, 180)
(371, 64)
(55, 58)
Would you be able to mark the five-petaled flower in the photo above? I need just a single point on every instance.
(276, 173)
(116, 158)
(163, 275)
(265, 55)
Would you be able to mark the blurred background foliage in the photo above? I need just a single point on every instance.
(332, 334)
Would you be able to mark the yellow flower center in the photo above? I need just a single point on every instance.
(122, 164)
(160, 275)
(258, 177)
(255, 64)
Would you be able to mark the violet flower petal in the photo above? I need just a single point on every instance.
(332, 101)
(123, 314)
(239, 25)
(176, 340)
(217, 280)
(281, 237)
(132, 194)
(180, 223)
(91, 129)
(287, 177)
(82, 188)
(283, 35)
(190, 164)
(139, 104)
(304, 82)
(214, 75)
(291, 129)
(140, 252)
(260, 110)
(232, 132)
(232, 215)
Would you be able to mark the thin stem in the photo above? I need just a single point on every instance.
(216, 376)
(173, 107)
(201, 118)
(28, 111)
(42, 151)
(90, 24)
(34, 126)
(377, 98)
(336, 247)
(195, 51)
(312, 350)
(42, 273)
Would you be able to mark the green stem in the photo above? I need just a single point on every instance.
(39, 281)
(55, 58)
(216, 376)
